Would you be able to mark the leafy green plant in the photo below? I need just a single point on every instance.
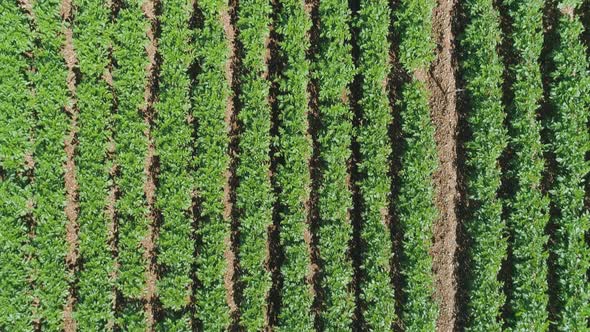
(92, 38)
(570, 142)
(375, 148)
(173, 140)
(129, 81)
(51, 127)
(334, 71)
(292, 175)
(527, 207)
(254, 197)
(415, 203)
(15, 187)
(211, 95)
(482, 71)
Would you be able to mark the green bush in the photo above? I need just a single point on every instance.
(570, 142)
(173, 141)
(375, 150)
(129, 80)
(254, 196)
(527, 207)
(292, 175)
(482, 71)
(92, 38)
(211, 94)
(15, 188)
(334, 71)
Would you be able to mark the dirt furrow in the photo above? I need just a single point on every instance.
(151, 164)
(29, 159)
(442, 86)
(274, 251)
(231, 73)
(311, 206)
(71, 184)
(356, 249)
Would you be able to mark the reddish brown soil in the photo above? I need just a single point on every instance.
(227, 20)
(71, 184)
(150, 170)
(311, 206)
(442, 86)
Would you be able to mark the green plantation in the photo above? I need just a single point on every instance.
(294, 165)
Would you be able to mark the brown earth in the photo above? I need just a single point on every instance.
(442, 86)
(228, 21)
(150, 164)
(311, 206)
(71, 184)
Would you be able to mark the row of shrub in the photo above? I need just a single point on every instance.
(94, 100)
(333, 70)
(211, 96)
(130, 77)
(415, 203)
(173, 142)
(527, 207)
(569, 142)
(15, 185)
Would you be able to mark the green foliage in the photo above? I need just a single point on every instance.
(570, 142)
(211, 94)
(415, 205)
(95, 285)
(334, 71)
(528, 207)
(415, 208)
(482, 71)
(129, 81)
(293, 177)
(375, 148)
(15, 191)
(173, 140)
(52, 126)
(254, 193)
(414, 25)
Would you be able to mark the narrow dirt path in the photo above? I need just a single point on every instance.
(150, 166)
(442, 86)
(228, 20)
(312, 210)
(71, 184)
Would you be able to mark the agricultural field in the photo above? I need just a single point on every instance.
(294, 165)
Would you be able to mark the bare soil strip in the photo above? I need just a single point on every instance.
(311, 206)
(395, 81)
(71, 184)
(113, 193)
(151, 164)
(356, 248)
(442, 86)
(274, 252)
(231, 73)
(27, 7)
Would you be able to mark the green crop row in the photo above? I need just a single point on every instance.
(528, 207)
(255, 199)
(15, 191)
(334, 71)
(211, 95)
(52, 126)
(292, 175)
(570, 142)
(482, 72)
(173, 140)
(415, 204)
(129, 80)
(375, 148)
(91, 27)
